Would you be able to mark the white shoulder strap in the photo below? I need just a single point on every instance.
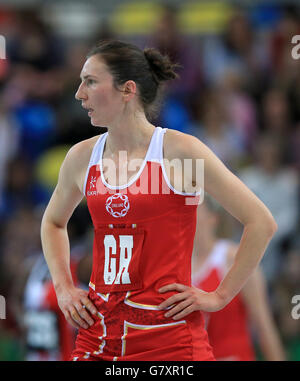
(155, 152)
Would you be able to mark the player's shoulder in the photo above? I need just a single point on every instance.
(77, 159)
(84, 147)
(182, 145)
(80, 152)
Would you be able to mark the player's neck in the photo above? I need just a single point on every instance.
(131, 134)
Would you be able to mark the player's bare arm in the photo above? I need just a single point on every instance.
(73, 301)
(241, 203)
(255, 297)
(256, 300)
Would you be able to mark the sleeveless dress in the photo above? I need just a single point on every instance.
(143, 239)
(228, 329)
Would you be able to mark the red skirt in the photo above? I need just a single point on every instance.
(124, 332)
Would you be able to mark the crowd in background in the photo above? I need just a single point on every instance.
(239, 93)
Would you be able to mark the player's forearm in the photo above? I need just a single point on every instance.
(255, 298)
(56, 248)
(270, 342)
(254, 241)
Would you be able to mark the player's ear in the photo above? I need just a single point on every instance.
(129, 90)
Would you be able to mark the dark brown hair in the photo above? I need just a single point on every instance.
(148, 68)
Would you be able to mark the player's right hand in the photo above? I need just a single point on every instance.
(76, 306)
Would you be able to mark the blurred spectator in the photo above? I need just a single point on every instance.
(282, 62)
(276, 119)
(7, 20)
(238, 49)
(213, 127)
(33, 42)
(168, 39)
(277, 186)
(294, 148)
(240, 107)
(174, 114)
(20, 239)
(285, 288)
(27, 94)
(265, 15)
(275, 113)
(21, 189)
(293, 93)
(9, 145)
(37, 126)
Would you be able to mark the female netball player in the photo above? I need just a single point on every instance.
(141, 305)
(229, 330)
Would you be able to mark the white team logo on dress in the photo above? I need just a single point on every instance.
(92, 182)
(117, 205)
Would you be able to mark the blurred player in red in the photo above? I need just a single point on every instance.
(48, 336)
(229, 330)
(141, 304)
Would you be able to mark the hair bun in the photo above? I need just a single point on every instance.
(160, 65)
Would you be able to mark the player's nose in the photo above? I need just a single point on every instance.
(80, 93)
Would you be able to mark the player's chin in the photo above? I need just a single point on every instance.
(96, 123)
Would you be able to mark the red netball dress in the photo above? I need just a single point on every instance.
(228, 329)
(144, 233)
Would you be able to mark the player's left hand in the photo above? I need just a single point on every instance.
(190, 299)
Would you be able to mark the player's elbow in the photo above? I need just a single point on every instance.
(274, 227)
(49, 222)
(270, 226)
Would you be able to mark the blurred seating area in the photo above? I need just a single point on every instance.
(238, 92)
